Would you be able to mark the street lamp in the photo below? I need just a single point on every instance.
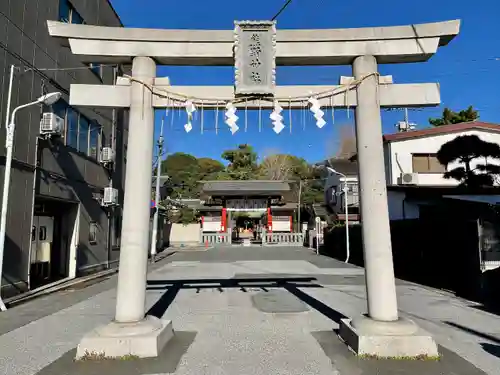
(346, 208)
(154, 229)
(47, 99)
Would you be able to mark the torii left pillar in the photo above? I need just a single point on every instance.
(133, 333)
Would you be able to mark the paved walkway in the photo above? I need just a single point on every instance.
(263, 327)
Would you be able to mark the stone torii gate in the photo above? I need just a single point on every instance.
(381, 332)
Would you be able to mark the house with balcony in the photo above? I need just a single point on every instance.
(411, 157)
(412, 167)
(347, 175)
(436, 224)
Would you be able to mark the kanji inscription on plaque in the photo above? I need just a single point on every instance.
(255, 58)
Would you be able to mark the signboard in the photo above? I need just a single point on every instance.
(255, 58)
(282, 223)
(246, 205)
(212, 224)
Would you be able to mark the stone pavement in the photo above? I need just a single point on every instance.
(232, 316)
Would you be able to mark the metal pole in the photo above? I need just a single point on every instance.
(318, 225)
(154, 232)
(6, 185)
(9, 96)
(5, 196)
(111, 214)
(346, 209)
(300, 202)
(5, 199)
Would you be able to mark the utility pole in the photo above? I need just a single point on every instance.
(7, 122)
(154, 232)
(300, 201)
(405, 125)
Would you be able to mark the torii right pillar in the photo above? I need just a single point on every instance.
(381, 332)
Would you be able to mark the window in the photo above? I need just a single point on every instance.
(59, 109)
(117, 227)
(352, 187)
(94, 133)
(427, 163)
(72, 128)
(64, 11)
(43, 233)
(96, 69)
(83, 135)
(68, 13)
(93, 230)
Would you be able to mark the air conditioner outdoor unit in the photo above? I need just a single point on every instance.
(409, 179)
(51, 124)
(107, 155)
(110, 197)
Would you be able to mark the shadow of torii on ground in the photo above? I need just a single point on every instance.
(292, 285)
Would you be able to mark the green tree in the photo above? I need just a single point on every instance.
(242, 163)
(451, 117)
(282, 167)
(184, 171)
(313, 186)
(466, 150)
(183, 215)
(209, 169)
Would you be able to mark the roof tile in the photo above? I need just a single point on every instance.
(444, 129)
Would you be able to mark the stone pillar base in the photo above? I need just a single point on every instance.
(143, 339)
(401, 338)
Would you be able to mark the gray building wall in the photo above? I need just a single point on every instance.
(53, 169)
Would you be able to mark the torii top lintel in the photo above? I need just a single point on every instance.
(394, 44)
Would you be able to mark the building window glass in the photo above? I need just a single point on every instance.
(117, 227)
(427, 163)
(93, 230)
(64, 11)
(83, 135)
(96, 69)
(95, 131)
(352, 187)
(68, 13)
(72, 128)
(59, 109)
(76, 18)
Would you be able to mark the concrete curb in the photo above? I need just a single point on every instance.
(43, 291)
(46, 290)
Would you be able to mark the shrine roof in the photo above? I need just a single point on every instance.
(246, 187)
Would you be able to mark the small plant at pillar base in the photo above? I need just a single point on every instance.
(101, 356)
(92, 356)
(421, 357)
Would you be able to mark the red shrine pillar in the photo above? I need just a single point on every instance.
(269, 220)
(223, 222)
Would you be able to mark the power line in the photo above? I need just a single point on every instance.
(281, 10)
(27, 69)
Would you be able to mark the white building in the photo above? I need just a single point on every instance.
(411, 165)
(410, 157)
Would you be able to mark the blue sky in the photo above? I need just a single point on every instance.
(466, 68)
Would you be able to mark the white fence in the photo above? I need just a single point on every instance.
(288, 239)
(215, 238)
